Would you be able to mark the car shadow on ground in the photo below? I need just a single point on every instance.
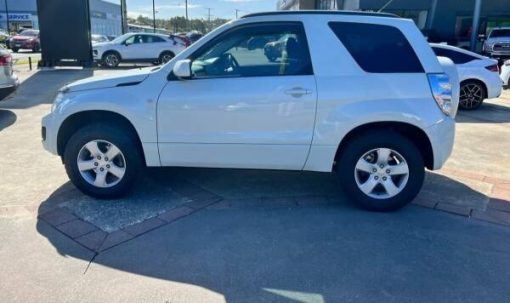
(486, 113)
(42, 87)
(7, 118)
(308, 253)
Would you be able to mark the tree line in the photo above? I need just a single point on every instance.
(180, 24)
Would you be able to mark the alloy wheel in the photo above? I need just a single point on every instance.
(101, 163)
(471, 96)
(381, 173)
(112, 60)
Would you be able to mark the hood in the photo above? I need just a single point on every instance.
(128, 78)
(101, 44)
(20, 37)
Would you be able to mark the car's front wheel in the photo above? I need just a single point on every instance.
(381, 171)
(111, 60)
(102, 161)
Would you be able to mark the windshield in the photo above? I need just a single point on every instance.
(121, 38)
(500, 33)
(31, 33)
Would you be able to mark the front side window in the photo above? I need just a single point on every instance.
(255, 51)
(378, 48)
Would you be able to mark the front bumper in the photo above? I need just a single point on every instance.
(22, 44)
(49, 133)
(442, 137)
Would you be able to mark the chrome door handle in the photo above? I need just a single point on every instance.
(298, 92)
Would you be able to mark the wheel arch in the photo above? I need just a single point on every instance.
(166, 51)
(111, 51)
(412, 132)
(80, 119)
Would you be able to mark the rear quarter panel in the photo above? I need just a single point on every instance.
(349, 97)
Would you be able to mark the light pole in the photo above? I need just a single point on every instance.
(476, 24)
(154, 14)
(237, 12)
(7, 16)
(123, 16)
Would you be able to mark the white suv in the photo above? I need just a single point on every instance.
(137, 47)
(359, 94)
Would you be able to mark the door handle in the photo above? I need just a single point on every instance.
(298, 92)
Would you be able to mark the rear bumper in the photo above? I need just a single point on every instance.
(494, 86)
(442, 137)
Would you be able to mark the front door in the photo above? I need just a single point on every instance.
(249, 104)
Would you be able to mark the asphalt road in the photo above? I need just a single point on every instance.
(253, 246)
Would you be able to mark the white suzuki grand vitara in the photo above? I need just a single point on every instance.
(359, 94)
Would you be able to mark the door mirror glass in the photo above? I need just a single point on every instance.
(182, 69)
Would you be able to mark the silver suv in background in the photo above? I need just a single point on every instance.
(498, 43)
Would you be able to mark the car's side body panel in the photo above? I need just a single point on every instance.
(274, 130)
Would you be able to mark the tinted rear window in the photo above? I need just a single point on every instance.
(456, 57)
(378, 48)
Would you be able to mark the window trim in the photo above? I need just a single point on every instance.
(220, 36)
(422, 69)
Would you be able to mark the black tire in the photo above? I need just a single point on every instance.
(36, 48)
(111, 62)
(472, 94)
(120, 138)
(15, 50)
(165, 57)
(359, 146)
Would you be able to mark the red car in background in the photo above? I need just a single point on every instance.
(27, 39)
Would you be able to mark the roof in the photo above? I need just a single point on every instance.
(322, 12)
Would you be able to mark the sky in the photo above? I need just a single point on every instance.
(198, 8)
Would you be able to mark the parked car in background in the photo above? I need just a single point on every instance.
(27, 39)
(478, 75)
(505, 73)
(8, 79)
(183, 40)
(497, 43)
(137, 47)
(275, 49)
(219, 104)
(193, 36)
(99, 38)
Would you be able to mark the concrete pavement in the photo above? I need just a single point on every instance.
(271, 237)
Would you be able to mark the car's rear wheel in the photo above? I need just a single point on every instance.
(111, 60)
(102, 161)
(15, 50)
(381, 171)
(165, 57)
(472, 95)
(36, 48)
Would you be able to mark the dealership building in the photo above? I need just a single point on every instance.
(441, 20)
(105, 17)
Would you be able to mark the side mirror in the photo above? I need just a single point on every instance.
(182, 69)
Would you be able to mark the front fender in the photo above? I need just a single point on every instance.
(129, 102)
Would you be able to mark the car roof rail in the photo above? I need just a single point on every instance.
(323, 12)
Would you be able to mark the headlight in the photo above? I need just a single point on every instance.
(442, 92)
(60, 98)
